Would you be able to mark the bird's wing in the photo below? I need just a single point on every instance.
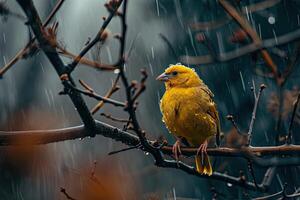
(207, 91)
(212, 111)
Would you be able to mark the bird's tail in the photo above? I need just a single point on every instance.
(203, 165)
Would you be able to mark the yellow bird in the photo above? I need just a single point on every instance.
(189, 112)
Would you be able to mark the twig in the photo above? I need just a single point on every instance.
(96, 39)
(142, 85)
(95, 95)
(29, 45)
(86, 86)
(269, 176)
(35, 23)
(114, 118)
(289, 136)
(125, 149)
(256, 97)
(254, 7)
(268, 196)
(231, 119)
(85, 61)
(226, 56)
(251, 170)
(112, 90)
(63, 190)
(245, 25)
(281, 194)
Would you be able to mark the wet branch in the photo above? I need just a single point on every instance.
(284, 155)
(226, 56)
(97, 38)
(21, 54)
(289, 136)
(35, 23)
(257, 98)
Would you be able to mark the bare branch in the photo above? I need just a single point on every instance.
(254, 7)
(289, 136)
(245, 25)
(231, 119)
(35, 22)
(96, 39)
(63, 190)
(112, 90)
(114, 118)
(257, 98)
(226, 56)
(85, 61)
(30, 44)
(95, 95)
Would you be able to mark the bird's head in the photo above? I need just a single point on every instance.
(180, 76)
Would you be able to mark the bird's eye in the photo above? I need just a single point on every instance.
(174, 73)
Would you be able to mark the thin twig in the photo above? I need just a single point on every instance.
(231, 119)
(245, 25)
(95, 96)
(36, 25)
(96, 39)
(142, 85)
(112, 90)
(63, 190)
(254, 7)
(257, 98)
(289, 136)
(251, 170)
(125, 149)
(236, 53)
(29, 45)
(114, 118)
(85, 61)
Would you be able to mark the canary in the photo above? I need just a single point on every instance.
(189, 112)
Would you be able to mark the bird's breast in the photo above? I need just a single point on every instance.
(184, 113)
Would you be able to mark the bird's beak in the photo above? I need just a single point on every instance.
(163, 77)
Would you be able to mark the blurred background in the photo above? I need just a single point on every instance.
(29, 98)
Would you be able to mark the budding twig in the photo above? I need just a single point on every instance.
(231, 119)
(257, 98)
(95, 95)
(96, 39)
(30, 44)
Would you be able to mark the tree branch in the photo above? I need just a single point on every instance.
(35, 22)
(96, 39)
(29, 45)
(222, 57)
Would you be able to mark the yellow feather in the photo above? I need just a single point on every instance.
(189, 111)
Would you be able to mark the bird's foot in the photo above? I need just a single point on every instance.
(203, 149)
(176, 149)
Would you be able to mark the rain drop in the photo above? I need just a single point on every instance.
(271, 20)
(229, 184)
(116, 71)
